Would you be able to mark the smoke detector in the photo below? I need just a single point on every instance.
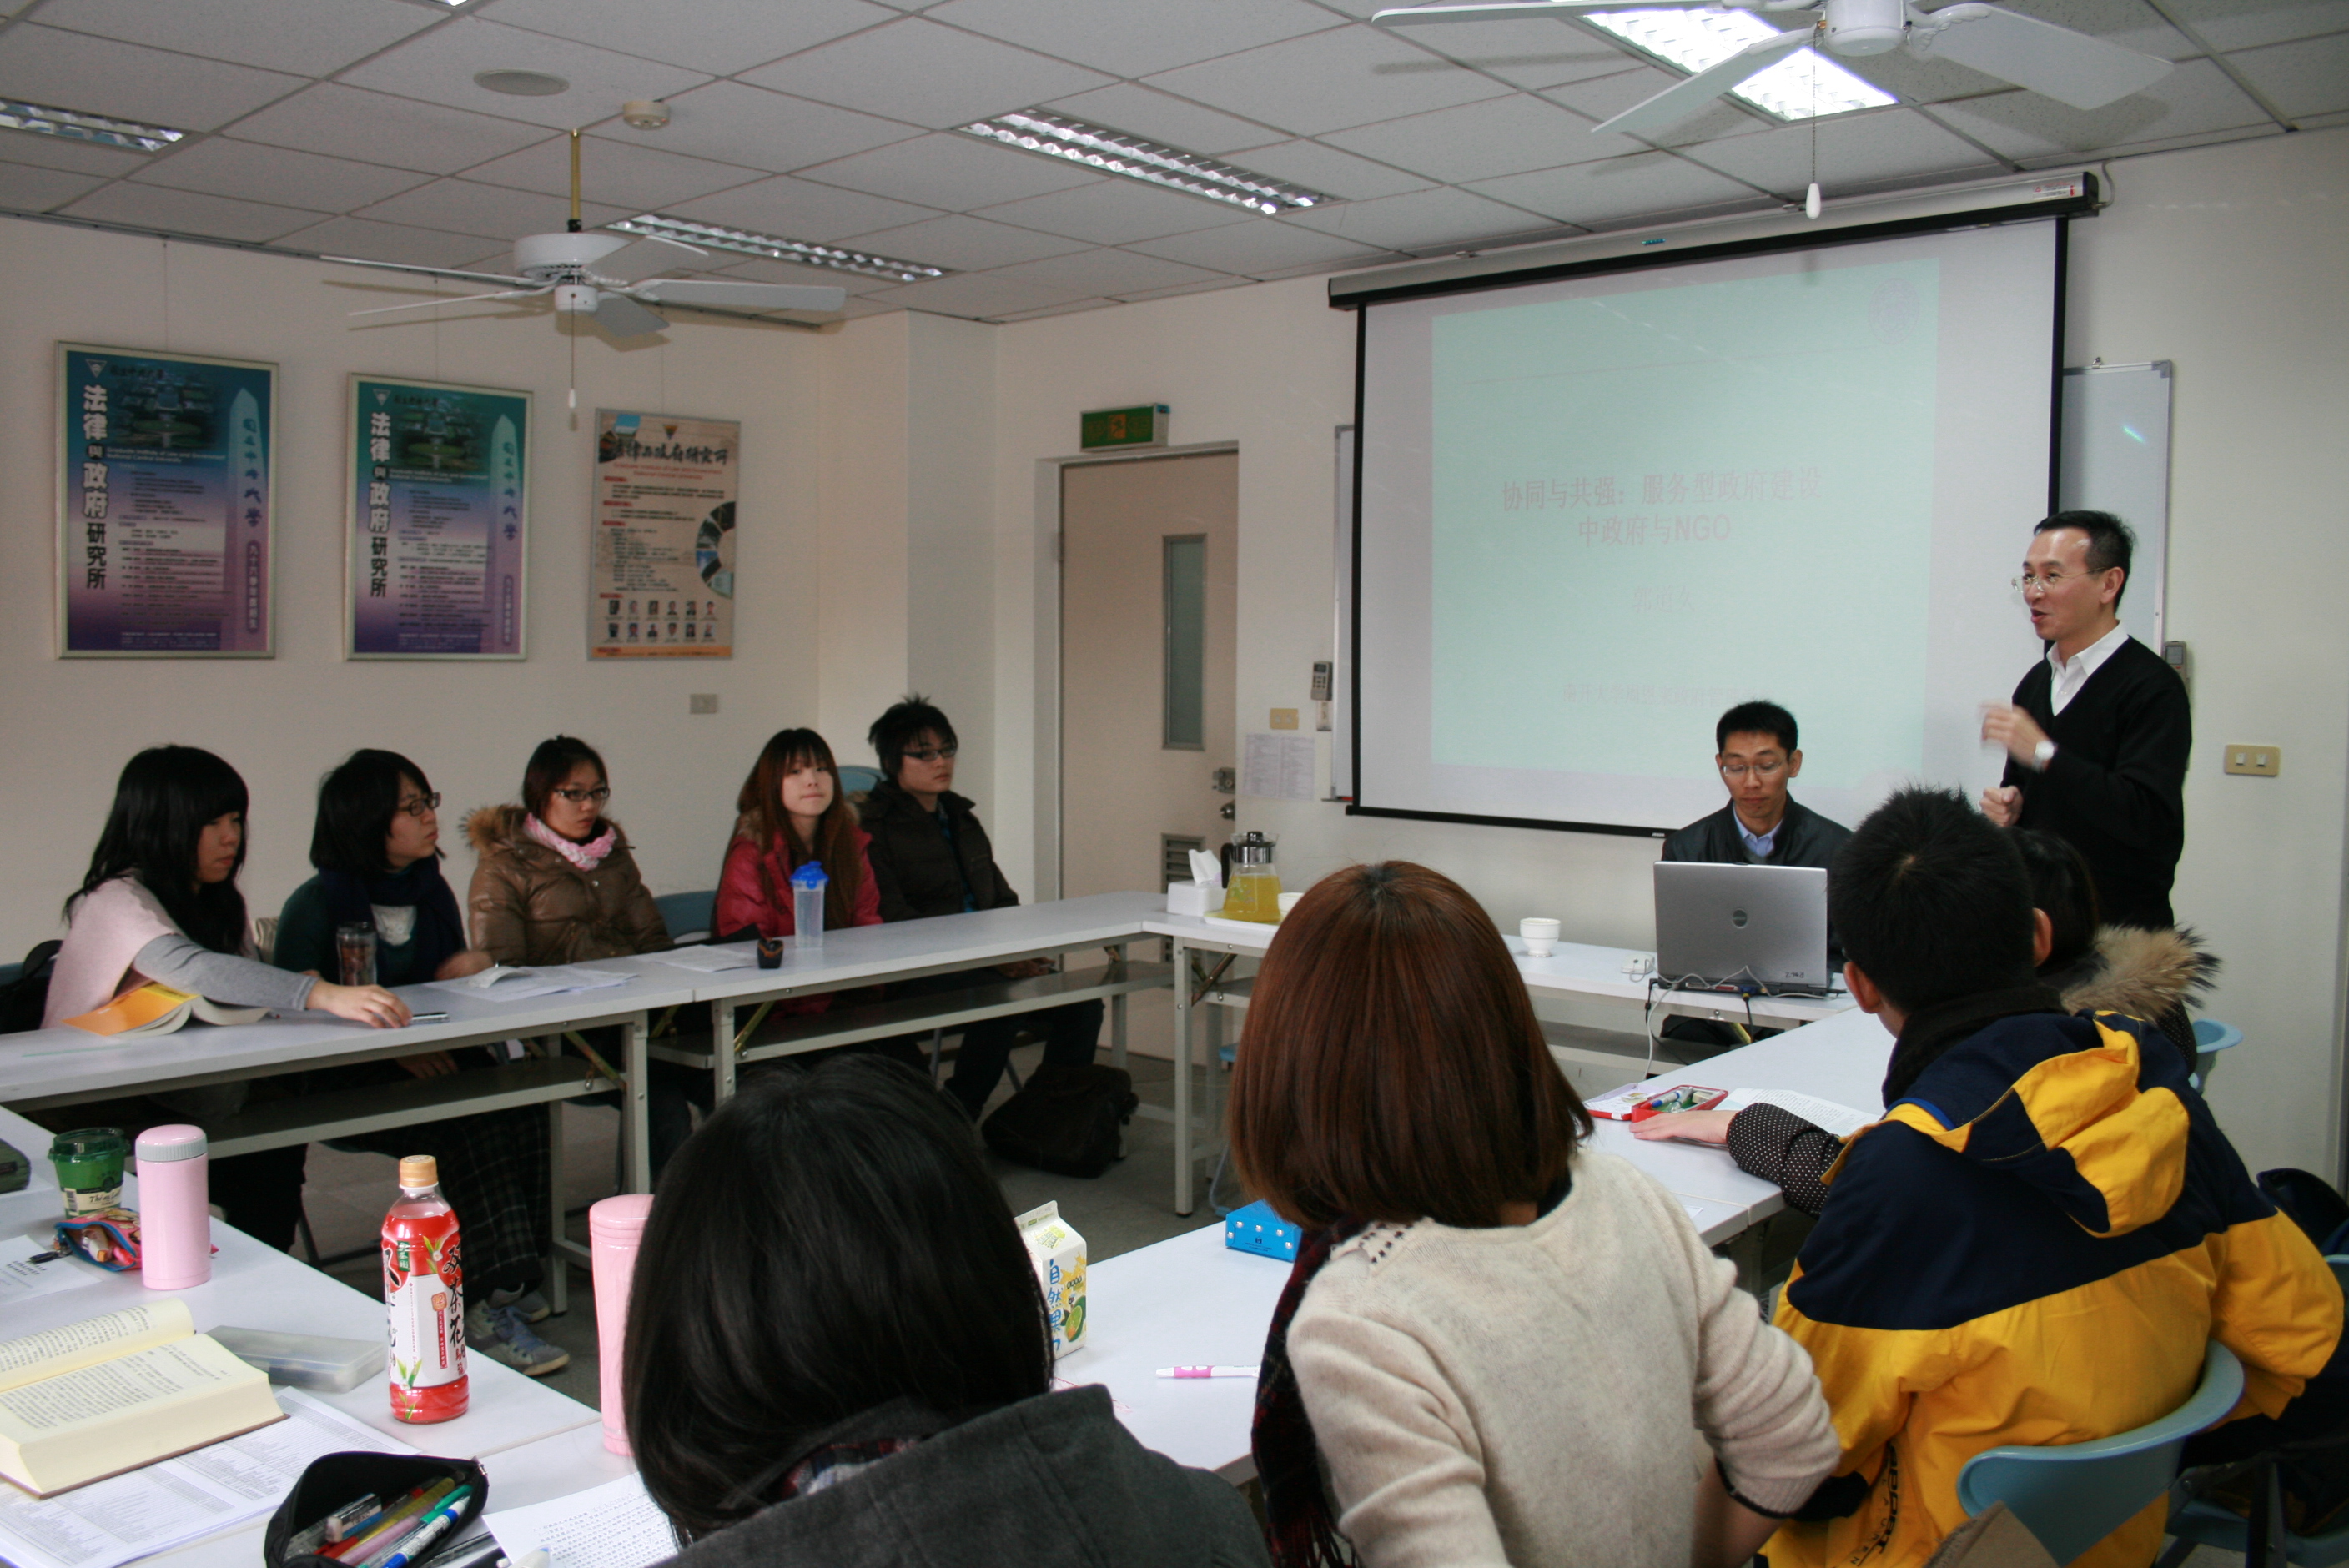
(644, 114)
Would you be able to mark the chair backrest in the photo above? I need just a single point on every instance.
(688, 914)
(265, 936)
(859, 780)
(2211, 1037)
(2073, 1495)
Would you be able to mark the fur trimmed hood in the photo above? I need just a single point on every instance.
(489, 828)
(2141, 974)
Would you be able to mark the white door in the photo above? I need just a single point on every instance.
(1149, 604)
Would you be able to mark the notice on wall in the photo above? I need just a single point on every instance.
(661, 579)
(1278, 767)
(164, 486)
(439, 532)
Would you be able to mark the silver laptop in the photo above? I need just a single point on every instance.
(1755, 927)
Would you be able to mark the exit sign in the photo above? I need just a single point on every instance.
(1143, 424)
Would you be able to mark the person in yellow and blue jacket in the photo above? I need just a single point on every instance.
(2036, 1242)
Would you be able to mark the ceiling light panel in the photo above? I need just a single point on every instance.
(1114, 152)
(744, 242)
(74, 126)
(1804, 85)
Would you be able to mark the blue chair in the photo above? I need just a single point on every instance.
(859, 780)
(687, 915)
(2211, 1037)
(2073, 1495)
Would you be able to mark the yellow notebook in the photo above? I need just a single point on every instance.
(156, 1008)
(110, 1393)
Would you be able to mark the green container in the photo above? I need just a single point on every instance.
(89, 1167)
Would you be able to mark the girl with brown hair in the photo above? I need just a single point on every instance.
(791, 809)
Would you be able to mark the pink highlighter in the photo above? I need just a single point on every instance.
(175, 1220)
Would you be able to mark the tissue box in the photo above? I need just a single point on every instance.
(1257, 1229)
(1192, 898)
(1057, 1255)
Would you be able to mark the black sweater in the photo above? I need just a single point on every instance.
(920, 871)
(1804, 838)
(2115, 787)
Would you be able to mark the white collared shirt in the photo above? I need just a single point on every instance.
(2072, 673)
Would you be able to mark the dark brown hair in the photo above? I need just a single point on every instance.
(759, 816)
(1391, 1066)
(551, 764)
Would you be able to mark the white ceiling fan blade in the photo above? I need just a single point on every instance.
(740, 295)
(1496, 10)
(2068, 67)
(1681, 99)
(455, 299)
(428, 272)
(624, 318)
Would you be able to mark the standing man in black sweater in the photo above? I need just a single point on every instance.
(2097, 736)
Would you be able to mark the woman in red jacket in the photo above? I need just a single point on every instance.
(792, 811)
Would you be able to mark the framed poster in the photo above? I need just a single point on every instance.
(661, 575)
(166, 470)
(439, 536)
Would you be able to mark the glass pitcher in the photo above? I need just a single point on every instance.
(1253, 890)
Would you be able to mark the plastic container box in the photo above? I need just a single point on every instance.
(306, 1360)
(1257, 1229)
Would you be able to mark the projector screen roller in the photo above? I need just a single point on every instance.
(1596, 512)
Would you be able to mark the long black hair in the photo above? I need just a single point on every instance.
(826, 1243)
(165, 798)
(356, 804)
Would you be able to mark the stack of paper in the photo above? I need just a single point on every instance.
(709, 960)
(615, 1525)
(501, 983)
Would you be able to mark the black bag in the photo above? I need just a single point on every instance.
(334, 1479)
(24, 999)
(2311, 1203)
(1069, 1120)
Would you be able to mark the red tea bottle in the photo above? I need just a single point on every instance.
(424, 1290)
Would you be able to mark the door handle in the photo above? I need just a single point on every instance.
(1228, 810)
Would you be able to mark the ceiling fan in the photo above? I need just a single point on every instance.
(558, 265)
(2071, 68)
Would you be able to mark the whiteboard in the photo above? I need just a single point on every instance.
(2115, 457)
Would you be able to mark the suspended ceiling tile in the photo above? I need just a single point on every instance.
(2248, 24)
(1266, 244)
(1422, 219)
(1912, 80)
(488, 211)
(1618, 188)
(963, 243)
(950, 171)
(188, 212)
(73, 157)
(376, 127)
(439, 67)
(854, 306)
(919, 72)
(1325, 169)
(1112, 274)
(1114, 211)
(375, 241)
(221, 166)
(309, 37)
(759, 129)
(29, 190)
(1220, 281)
(1134, 37)
(1603, 98)
(624, 174)
(1535, 52)
(101, 76)
(2194, 98)
(980, 295)
(816, 277)
(1325, 81)
(2309, 78)
(2131, 24)
(1478, 141)
(797, 209)
(1162, 118)
(721, 36)
(1852, 150)
(1054, 310)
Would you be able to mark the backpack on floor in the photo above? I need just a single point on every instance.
(1069, 1120)
(23, 999)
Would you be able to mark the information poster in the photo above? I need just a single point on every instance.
(661, 583)
(439, 522)
(164, 486)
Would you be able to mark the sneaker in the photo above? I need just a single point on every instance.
(500, 1334)
(527, 1304)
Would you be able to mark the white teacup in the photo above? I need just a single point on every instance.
(1288, 901)
(1540, 935)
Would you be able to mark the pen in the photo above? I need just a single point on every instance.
(1207, 1371)
(427, 1017)
(416, 1532)
(355, 1550)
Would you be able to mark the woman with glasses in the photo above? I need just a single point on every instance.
(554, 882)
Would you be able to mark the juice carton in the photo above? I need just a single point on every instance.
(1058, 1253)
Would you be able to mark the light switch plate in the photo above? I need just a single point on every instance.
(2256, 761)
(1284, 718)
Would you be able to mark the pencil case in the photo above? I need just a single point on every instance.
(334, 1479)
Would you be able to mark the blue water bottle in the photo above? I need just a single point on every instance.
(807, 905)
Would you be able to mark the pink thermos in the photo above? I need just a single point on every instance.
(615, 1228)
(175, 1220)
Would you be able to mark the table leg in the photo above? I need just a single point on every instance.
(636, 1099)
(1117, 1012)
(1182, 1077)
(721, 1052)
(558, 1270)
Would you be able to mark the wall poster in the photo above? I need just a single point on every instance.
(165, 479)
(439, 532)
(661, 578)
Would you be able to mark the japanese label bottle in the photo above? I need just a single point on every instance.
(424, 1292)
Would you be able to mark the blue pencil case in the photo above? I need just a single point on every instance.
(1257, 1229)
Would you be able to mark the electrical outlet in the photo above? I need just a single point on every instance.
(701, 702)
(2256, 761)
(1284, 718)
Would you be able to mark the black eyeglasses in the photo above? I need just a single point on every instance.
(421, 806)
(601, 793)
(932, 754)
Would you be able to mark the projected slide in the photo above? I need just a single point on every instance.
(1639, 574)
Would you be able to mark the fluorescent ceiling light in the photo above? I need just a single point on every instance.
(1696, 39)
(1115, 152)
(77, 127)
(711, 237)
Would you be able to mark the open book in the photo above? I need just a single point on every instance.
(156, 1008)
(110, 1393)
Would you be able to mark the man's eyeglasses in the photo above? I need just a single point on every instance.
(421, 806)
(932, 754)
(601, 793)
(1768, 767)
(2028, 585)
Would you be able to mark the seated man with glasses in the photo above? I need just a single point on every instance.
(2099, 733)
(930, 856)
(1762, 824)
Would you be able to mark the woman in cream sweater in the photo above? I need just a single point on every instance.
(1497, 1348)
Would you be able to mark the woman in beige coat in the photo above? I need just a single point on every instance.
(555, 883)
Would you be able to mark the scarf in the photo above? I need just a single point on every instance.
(587, 856)
(1299, 1527)
(1928, 1033)
(440, 932)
